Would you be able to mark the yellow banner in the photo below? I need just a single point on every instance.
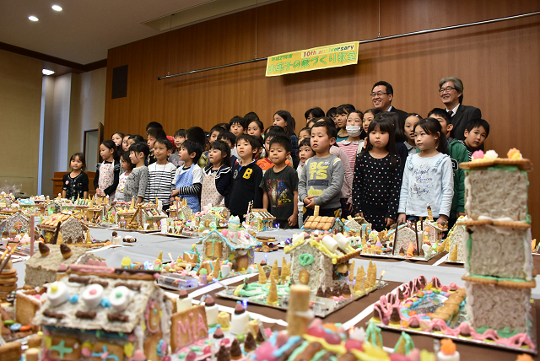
(323, 57)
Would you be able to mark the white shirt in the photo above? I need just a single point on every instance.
(453, 110)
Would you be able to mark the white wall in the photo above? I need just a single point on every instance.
(73, 103)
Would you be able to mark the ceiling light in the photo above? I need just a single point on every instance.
(33, 18)
(47, 72)
(57, 7)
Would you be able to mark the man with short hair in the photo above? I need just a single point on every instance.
(382, 94)
(451, 93)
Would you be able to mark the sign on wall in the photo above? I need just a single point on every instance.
(323, 57)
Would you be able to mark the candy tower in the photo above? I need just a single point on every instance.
(497, 253)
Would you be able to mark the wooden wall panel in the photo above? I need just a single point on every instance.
(497, 63)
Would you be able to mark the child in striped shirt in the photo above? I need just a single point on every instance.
(161, 174)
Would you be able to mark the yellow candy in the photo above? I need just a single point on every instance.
(48, 341)
(128, 349)
(428, 286)
(54, 288)
(427, 356)
(514, 154)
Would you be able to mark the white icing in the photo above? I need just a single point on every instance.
(119, 298)
(59, 295)
(502, 219)
(528, 264)
(212, 314)
(183, 304)
(489, 243)
(330, 243)
(497, 194)
(239, 323)
(225, 270)
(342, 241)
(92, 295)
(443, 357)
(498, 307)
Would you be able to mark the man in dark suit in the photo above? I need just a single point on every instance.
(451, 93)
(382, 94)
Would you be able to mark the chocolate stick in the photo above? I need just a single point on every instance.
(6, 259)
(32, 235)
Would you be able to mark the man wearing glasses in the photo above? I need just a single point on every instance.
(382, 94)
(451, 93)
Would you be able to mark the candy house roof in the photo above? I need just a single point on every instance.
(243, 241)
(314, 223)
(67, 220)
(263, 214)
(111, 300)
(338, 256)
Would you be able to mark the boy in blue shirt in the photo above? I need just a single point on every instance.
(188, 178)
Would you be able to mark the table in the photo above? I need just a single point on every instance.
(148, 247)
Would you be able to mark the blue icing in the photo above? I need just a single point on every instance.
(160, 347)
(74, 299)
(273, 338)
(105, 302)
(290, 342)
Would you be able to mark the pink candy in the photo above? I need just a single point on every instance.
(332, 339)
(479, 154)
(265, 352)
(191, 356)
(86, 352)
(351, 344)
(316, 332)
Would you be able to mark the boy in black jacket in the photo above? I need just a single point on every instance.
(247, 176)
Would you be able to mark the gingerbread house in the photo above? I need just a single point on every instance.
(94, 214)
(102, 313)
(260, 220)
(320, 262)
(456, 242)
(358, 225)
(232, 244)
(405, 236)
(213, 217)
(18, 222)
(64, 228)
(147, 217)
(180, 210)
(323, 224)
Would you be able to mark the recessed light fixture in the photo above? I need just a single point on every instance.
(57, 7)
(47, 72)
(33, 18)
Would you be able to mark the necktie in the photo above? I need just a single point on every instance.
(450, 112)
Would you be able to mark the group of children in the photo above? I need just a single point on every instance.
(344, 161)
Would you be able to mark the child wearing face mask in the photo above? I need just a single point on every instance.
(355, 141)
